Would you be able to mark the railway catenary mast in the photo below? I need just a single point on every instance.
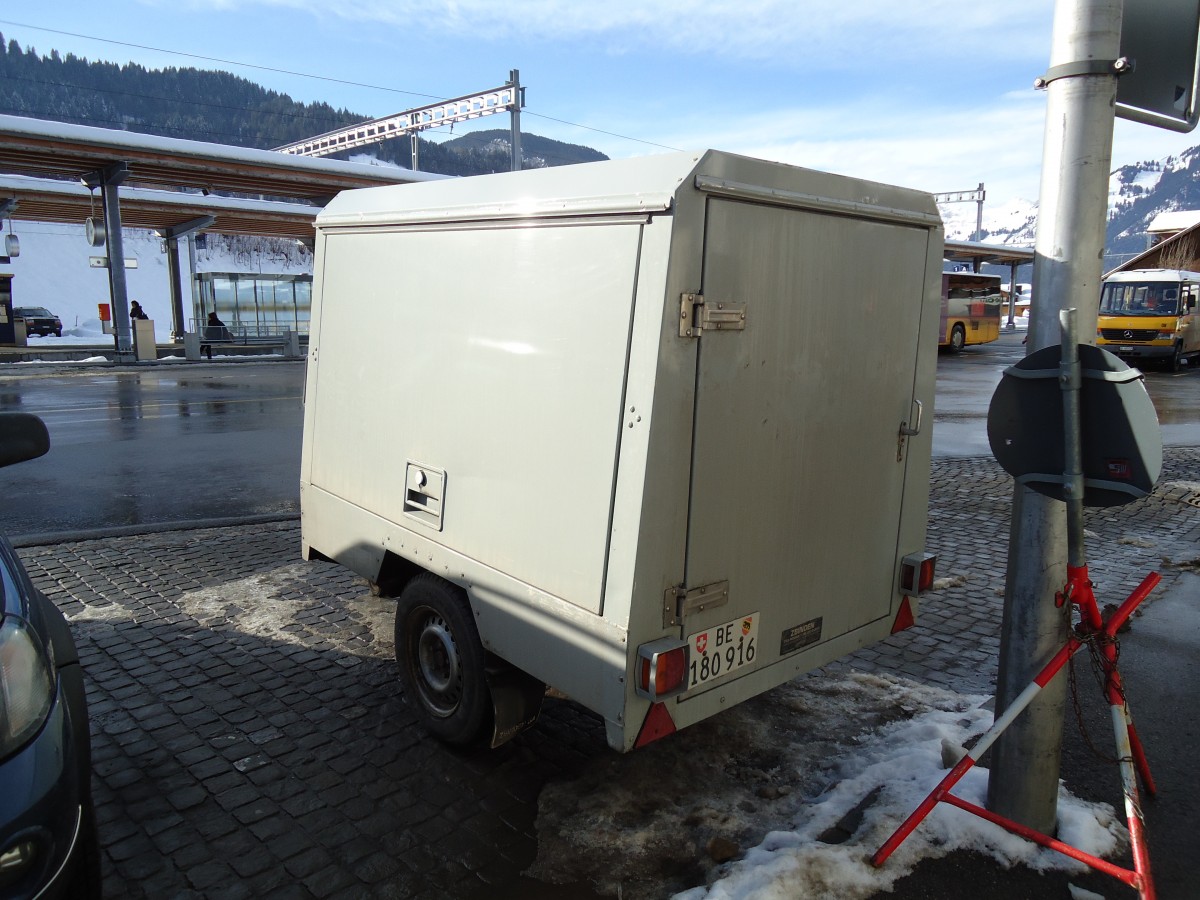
(508, 97)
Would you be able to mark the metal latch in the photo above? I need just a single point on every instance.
(697, 315)
(679, 602)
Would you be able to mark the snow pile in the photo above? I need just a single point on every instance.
(826, 767)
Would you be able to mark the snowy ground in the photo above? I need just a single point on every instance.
(87, 333)
(827, 769)
(810, 779)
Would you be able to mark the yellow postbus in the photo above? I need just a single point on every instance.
(970, 309)
(1150, 314)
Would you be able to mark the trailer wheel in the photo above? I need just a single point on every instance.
(442, 660)
(958, 339)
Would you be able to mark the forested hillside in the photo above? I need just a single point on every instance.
(223, 108)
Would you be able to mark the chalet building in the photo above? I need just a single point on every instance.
(1174, 243)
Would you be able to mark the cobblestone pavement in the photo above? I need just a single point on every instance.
(250, 739)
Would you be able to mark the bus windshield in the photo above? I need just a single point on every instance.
(1140, 298)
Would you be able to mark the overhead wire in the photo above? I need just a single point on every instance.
(324, 122)
(230, 62)
(480, 139)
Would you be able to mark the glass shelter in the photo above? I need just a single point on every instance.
(252, 304)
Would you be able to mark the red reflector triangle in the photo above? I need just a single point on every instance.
(658, 724)
(904, 618)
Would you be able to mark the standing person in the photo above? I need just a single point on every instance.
(136, 311)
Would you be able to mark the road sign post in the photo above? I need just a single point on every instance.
(1095, 42)
(1081, 86)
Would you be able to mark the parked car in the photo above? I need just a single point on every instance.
(48, 843)
(39, 320)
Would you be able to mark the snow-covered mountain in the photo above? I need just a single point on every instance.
(1010, 222)
(1138, 192)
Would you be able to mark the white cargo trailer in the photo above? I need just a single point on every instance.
(653, 432)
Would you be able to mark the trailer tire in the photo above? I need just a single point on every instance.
(442, 661)
(958, 338)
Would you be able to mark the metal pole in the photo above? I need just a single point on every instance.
(1071, 382)
(172, 236)
(514, 78)
(177, 323)
(110, 180)
(414, 151)
(979, 215)
(1012, 294)
(197, 312)
(1077, 156)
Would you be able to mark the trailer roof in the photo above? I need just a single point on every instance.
(639, 186)
(643, 184)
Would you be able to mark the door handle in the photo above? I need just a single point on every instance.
(909, 431)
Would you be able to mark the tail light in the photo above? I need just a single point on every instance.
(661, 669)
(916, 573)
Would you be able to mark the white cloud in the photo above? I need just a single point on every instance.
(925, 147)
(830, 33)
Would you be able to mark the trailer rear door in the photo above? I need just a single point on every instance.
(796, 488)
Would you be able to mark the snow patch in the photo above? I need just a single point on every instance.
(847, 760)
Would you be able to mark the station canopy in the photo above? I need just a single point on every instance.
(168, 181)
(978, 253)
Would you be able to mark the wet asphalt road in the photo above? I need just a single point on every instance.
(965, 384)
(168, 443)
(154, 445)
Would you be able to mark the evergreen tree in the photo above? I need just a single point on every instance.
(219, 107)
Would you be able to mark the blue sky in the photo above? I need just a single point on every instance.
(935, 95)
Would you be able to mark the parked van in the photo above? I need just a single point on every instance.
(1150, 315)
(605, 433)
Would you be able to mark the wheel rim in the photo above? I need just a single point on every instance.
(436, 663)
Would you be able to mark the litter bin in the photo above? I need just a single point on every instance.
(191, 345)
(144, 347)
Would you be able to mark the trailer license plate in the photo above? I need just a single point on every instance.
(723, 649)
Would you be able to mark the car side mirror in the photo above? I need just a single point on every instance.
(22, 436)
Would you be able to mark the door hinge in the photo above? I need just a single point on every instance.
(696, 316)
(679, 602)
